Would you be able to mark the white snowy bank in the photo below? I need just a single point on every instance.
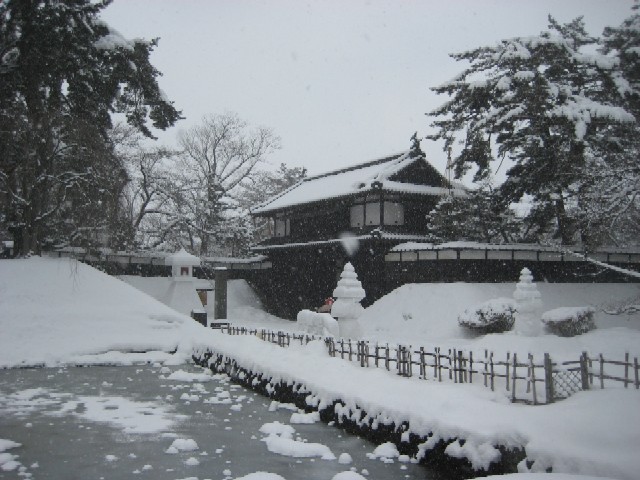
(56, 311)
(595, 432)
(63, 311)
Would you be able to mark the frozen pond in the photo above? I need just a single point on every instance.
(125, 422)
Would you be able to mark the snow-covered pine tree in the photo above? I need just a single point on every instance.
(609, 201)
(449, 220)
(481, 216)
(62, 72)
(624, 43)
(541, 102)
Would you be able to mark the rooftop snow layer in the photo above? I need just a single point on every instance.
(350, 181)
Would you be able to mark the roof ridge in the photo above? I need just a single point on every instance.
(356, 167)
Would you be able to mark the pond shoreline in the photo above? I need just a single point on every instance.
(365, 424)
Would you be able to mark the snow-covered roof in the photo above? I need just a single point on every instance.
(413, 246)
(182, 257)
(355, 180)
(465, 245)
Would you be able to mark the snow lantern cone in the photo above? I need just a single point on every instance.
(346, 308)
(528, 303)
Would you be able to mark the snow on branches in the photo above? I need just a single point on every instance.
(549, 104)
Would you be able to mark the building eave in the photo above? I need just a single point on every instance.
(375, 236)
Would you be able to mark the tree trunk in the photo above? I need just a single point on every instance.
(565, 226)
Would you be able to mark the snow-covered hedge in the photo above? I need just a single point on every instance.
(569, 321)
(493, 316)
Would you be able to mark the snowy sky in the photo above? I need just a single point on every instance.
(341, 82)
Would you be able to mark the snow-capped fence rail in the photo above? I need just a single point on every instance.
(521, 378)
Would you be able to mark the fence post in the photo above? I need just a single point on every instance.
(584, 371)
(626, 370)
(532, 376)
(493, 376)
(386, 356)
(486, 366)
(405, 361)
(513, 383)
(508, 366)
(366, 352)
(601, 371)
(548, 378)
(423, 366)
(635, 369)
(470, 367)
(460, 367)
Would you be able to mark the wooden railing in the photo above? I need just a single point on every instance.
(520, 377)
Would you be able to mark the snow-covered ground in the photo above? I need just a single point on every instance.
(60, 311)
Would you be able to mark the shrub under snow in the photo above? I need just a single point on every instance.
(569, 321)
(493, 316)
(322, 324)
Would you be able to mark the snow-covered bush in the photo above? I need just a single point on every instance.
(493, 316)
(569, 321)
(320, 324)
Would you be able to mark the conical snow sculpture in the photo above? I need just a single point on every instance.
(346, 307)
(528, 303)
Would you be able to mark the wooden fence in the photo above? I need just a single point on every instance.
(521, 378)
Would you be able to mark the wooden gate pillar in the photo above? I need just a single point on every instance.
(220, 310)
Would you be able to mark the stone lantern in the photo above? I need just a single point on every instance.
(182, 263)
(182, 295)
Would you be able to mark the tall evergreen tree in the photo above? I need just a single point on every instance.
(610, 202)
(624, 43)
(544, 104)
(62, 73)
(481, 216)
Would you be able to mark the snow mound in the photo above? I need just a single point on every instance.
(387, 450)
(348, 476)
(183, 445)
(312, 323)
(182, 376)
(295, 449)
(277, 429)
(428, 313)
(54, 310)
(261, 476)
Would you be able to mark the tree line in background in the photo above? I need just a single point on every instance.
(199, 195)
(558, 110)
(70, 176)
